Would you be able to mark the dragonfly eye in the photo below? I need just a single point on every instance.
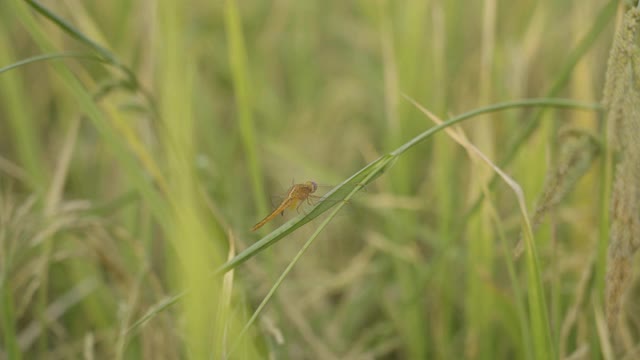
(314, 185)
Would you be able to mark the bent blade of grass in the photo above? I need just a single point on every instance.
(104, 89)
(548, 102)
(52, 56)
(8, 323)
(163, 304)
(537, 304)
(224, 305)
(239, 64)
(20, 118)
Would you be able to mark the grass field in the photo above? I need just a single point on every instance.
(465, 149)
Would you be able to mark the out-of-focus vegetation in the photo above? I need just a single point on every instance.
(140, 141)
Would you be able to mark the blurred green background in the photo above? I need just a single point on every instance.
(156, 133)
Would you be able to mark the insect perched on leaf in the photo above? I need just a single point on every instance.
(297, 194)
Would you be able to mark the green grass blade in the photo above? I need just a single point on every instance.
(53, 56)
(240, 72)
(24, 129)
(7, 311)
(545, 102)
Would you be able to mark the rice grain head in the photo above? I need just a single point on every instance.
(622, 98)
(578, 150)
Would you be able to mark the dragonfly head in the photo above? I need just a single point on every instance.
(313, 185)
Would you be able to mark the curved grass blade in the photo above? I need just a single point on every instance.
(548, 102)
(53, 56)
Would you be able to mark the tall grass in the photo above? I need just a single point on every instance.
(139, 142)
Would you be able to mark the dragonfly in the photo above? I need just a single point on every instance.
(296, 196)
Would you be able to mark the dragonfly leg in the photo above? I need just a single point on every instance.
(311, 198)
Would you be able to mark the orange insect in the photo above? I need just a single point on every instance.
(296, 195)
